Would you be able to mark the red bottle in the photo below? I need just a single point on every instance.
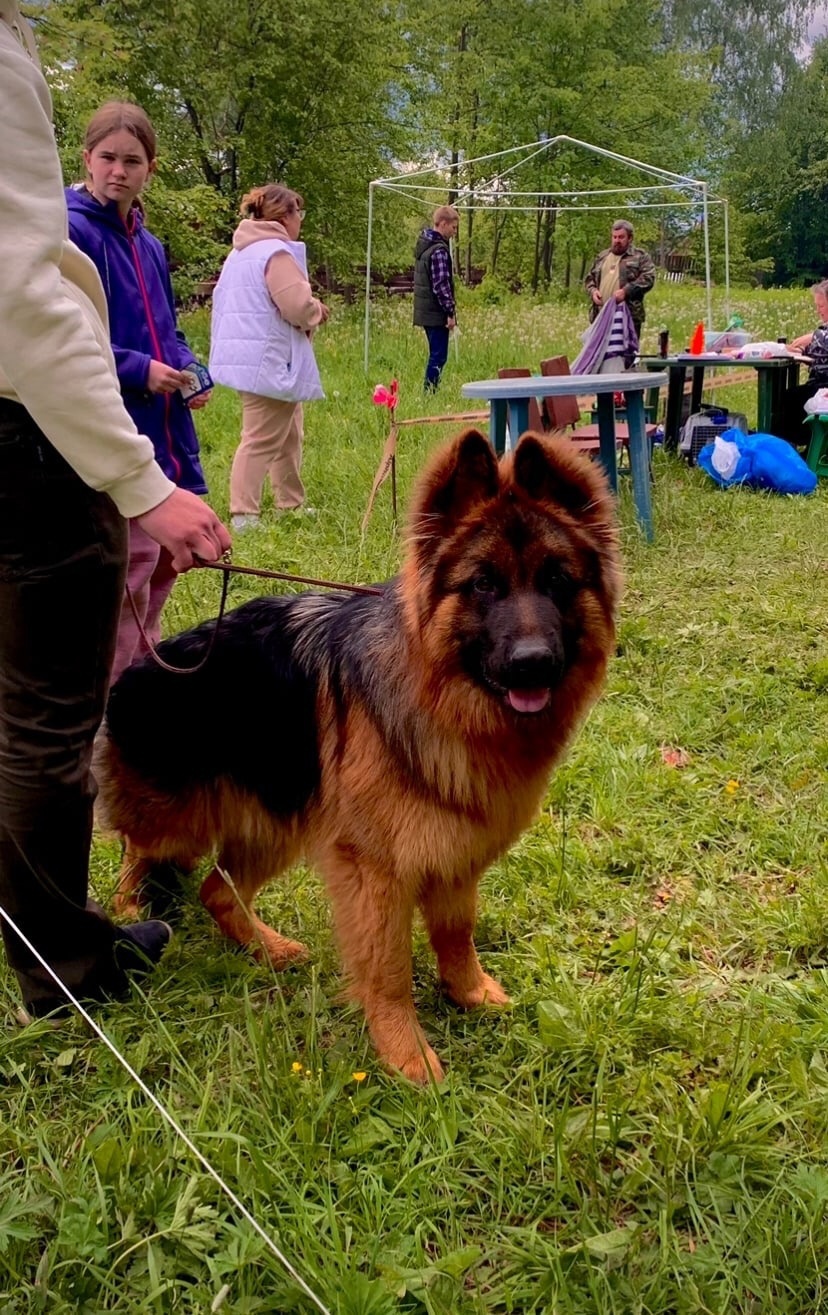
(697, 341)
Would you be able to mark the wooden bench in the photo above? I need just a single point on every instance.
(562, 415)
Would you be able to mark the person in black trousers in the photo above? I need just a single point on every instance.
(72, 468)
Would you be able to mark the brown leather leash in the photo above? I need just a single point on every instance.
(228, 568)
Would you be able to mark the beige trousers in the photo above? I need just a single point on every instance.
(271, 446)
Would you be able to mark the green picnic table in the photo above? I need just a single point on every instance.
(774, 376)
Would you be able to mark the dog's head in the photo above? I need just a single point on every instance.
(512, 575)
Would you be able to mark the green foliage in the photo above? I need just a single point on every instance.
(192, 224)
(491, 292)
(241, 95)
(751, 50)
(785, 207)
(327, 100)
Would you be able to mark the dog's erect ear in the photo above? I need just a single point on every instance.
(548, 471)
(459, 478)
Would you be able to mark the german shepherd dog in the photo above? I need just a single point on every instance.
(399, 741)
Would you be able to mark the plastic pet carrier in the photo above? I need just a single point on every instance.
(702, 428)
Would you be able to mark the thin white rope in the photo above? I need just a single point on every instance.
(632, 205)
(518, 164)
(503, 204)
(572, 193)
(165, 1114)
(490, 190)
(653, 170)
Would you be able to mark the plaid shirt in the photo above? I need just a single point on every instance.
(441, 284)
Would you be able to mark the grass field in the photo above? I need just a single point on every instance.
(646, 1129)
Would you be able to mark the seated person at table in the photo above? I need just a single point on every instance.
(815, 346)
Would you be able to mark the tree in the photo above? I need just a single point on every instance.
(241, 94)
(751, 49)
(326, 98)
(511, 71)
(786, 208)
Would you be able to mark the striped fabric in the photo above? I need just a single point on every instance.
(601, 333)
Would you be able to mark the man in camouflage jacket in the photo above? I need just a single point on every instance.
(622, 271)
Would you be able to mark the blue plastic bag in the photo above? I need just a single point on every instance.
(761, 461)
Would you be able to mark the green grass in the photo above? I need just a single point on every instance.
(646, 1129)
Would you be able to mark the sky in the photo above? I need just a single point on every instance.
(818, 26)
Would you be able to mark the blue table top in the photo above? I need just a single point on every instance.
(563, 385)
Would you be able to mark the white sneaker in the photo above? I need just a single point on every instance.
(302, 510)
(246, 521)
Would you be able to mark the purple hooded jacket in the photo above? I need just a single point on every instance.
(142, 327)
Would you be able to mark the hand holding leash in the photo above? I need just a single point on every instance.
(187, 528)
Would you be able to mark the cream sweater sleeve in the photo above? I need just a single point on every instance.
(291, 292)
(55, 356)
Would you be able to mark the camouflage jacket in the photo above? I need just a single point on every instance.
(636, 274)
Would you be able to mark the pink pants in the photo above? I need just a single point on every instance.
(150, 577)
(271, 446)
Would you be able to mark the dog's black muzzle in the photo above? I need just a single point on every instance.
(531, 663)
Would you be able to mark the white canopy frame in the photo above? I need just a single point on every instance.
(495, 193)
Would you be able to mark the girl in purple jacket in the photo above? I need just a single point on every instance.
(106, 221)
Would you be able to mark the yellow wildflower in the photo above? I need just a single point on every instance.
(359, 1077)
(296, 1067)
(732, 786)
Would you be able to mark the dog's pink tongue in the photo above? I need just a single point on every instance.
(528, 700)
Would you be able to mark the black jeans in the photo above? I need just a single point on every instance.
(62, 566)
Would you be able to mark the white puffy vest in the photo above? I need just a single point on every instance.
(252, 348)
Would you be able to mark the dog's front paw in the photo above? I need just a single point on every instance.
(404, 1049)
(422, 1068)
(277, 950)
(485, 991)
(129, 907)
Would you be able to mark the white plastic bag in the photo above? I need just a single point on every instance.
(764, 350)
(725, 457)
(818, 404)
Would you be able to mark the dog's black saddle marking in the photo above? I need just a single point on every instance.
(249, 715)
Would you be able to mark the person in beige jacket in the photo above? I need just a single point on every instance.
(72, 467)
(264, 316)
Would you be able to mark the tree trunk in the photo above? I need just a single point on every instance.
(462, 46)
(550, 219)
(499, 229)
(212, 175)
(471, 182)
(536, 257)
